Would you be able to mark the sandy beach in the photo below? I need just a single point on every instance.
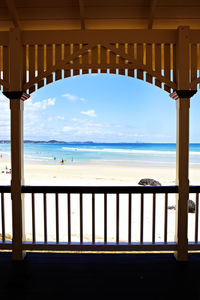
(90, 174)
(97, 174)
(93, 174)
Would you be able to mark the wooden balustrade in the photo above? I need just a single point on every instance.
(124, 210)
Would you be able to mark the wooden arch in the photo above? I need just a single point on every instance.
(143, 61)
(151, 56)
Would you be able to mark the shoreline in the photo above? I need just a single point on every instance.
(94, 174)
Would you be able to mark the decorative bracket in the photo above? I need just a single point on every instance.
(178, 94)
(17, 95)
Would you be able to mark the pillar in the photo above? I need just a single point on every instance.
(17, 175)
(17, 180)
(182, 96)
(16, 96)
(182, 165)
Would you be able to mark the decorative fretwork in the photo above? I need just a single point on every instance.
(153, 63)
(152, 60)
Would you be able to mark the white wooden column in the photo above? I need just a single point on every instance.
(17, 160)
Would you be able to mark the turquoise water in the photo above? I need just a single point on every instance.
(128, 154)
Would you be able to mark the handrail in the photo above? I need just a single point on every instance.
(100, 189)
(194, 189)
(5, 189)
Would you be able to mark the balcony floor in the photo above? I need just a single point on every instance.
(143, 276)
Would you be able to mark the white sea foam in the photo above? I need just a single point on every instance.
(194, 153)
(130, 151)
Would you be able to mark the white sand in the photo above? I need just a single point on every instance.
(74, 174)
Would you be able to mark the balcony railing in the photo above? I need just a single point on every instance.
(98, 218)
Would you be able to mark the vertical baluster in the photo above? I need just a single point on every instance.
(45, 217)
(174, 62)
(31, 66)
(158, 63)
(5, 63)
(95, 60)
(33, 218)
(57, 218)
(197, 218)
(193, 61)
(105, 218)
(81, 218)
(40, 64)
(129, 218)
(24, 62)
(166, 218)
(49, 62)
(131, 54)
(142, 218)
(93, 218)
(167, 58)
(154, 219)
(69, 218)
(117, 218)
(140, 58)
(58, 57)
(67, 52)
(149, 61)
(3, 217)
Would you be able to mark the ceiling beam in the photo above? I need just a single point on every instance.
(13, 12)
(81, 9)
(152, 13)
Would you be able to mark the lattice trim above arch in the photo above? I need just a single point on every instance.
(153, 63)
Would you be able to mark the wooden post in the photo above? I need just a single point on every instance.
(182, 98)
(182, 154)
(182, 144)
(17, 165)
(17, 160)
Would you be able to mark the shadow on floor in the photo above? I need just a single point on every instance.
(141, 276)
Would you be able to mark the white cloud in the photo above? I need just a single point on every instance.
(59, 118)
(73, 97)
(40, 105)
(35, 118)
(68, 128)
(53, 118)
(90, 113)
(87, 129)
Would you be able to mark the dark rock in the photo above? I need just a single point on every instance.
(191, 206)
(148, 181)
(172, 207)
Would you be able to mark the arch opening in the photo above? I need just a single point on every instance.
(122, 117)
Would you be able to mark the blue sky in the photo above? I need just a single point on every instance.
(101, 108)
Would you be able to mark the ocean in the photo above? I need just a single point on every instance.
(138, 154)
